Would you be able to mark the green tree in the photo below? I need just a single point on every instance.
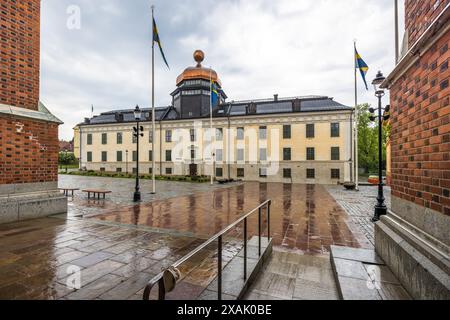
(66, 158)
(368, 140)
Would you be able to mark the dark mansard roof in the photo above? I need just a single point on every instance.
(230, 109)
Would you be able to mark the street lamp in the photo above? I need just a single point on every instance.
(137, 133)
(380, 208)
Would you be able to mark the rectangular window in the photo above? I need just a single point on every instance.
(310, 154)
(150, 155)
(89, 156)
(335, 174)
(119, 137)
(310, 173)
(287, 154)
(310, 130)
(287, 173)
(219, 134)
(134, 170)
(168, 170)
(240, 172)
(134, 156)
(168, 135)
(219, 155)
(219, 172)
(102, 169)
(192, 153)
(335, 153)
(119, 156)
(335, 130)
(89, 139)
(263, 154)
(104, 138)
(118, 170)
(134, 138)
(263, 133)
(286, 132)
(168, 155)
(150, 170)
(240, 133)
(104, 156)
(263, 172)
(240, 155)
(192, 134)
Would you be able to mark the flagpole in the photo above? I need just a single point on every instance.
(211, 126)
(153, 107)
(356, 165)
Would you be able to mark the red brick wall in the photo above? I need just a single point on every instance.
(28, 151)
(19, 49)
(420, 133)
(419, 14)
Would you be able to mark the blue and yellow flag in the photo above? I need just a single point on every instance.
(362, 66)
(214, 93)
(158, 41)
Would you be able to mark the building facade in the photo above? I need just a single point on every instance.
(414, 238)
(28, 131)
(298, 140)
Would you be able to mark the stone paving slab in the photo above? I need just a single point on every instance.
(362, 275)
(292, 275)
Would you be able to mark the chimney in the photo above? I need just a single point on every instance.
(251, 108)
(275, 97)
(296, 105)
(119, 117)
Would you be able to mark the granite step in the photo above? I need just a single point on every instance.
(362, 275)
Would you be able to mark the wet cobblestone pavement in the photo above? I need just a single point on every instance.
(359, 205)
(119, 246)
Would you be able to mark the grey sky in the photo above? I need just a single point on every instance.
(289, 47)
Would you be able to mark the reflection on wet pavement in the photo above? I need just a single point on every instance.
(120, 247)
(303, 217)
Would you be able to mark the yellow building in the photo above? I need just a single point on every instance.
(299, 140)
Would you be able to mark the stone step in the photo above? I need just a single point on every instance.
(362, 275)
(234, 287)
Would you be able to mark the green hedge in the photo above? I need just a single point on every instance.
(90, 173)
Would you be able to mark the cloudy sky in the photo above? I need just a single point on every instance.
(258, 47)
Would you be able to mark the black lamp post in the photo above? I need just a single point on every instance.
(65, 158)
(137, 133)
(380, 208)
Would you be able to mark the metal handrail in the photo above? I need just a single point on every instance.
(216, 237)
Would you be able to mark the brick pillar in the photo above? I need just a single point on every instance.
(28, 131)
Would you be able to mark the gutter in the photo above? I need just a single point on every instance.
(435, 31)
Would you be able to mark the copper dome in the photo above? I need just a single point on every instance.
(198, 72)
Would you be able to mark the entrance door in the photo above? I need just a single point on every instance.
(193, 170)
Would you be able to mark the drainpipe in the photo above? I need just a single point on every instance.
(80, 165)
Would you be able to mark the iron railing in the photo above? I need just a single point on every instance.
(218, 237)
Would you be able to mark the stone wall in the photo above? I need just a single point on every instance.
(20, 45)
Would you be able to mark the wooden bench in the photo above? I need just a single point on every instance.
(97, 192)
(66, 190)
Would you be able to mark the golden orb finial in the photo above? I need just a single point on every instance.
(199, 56)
